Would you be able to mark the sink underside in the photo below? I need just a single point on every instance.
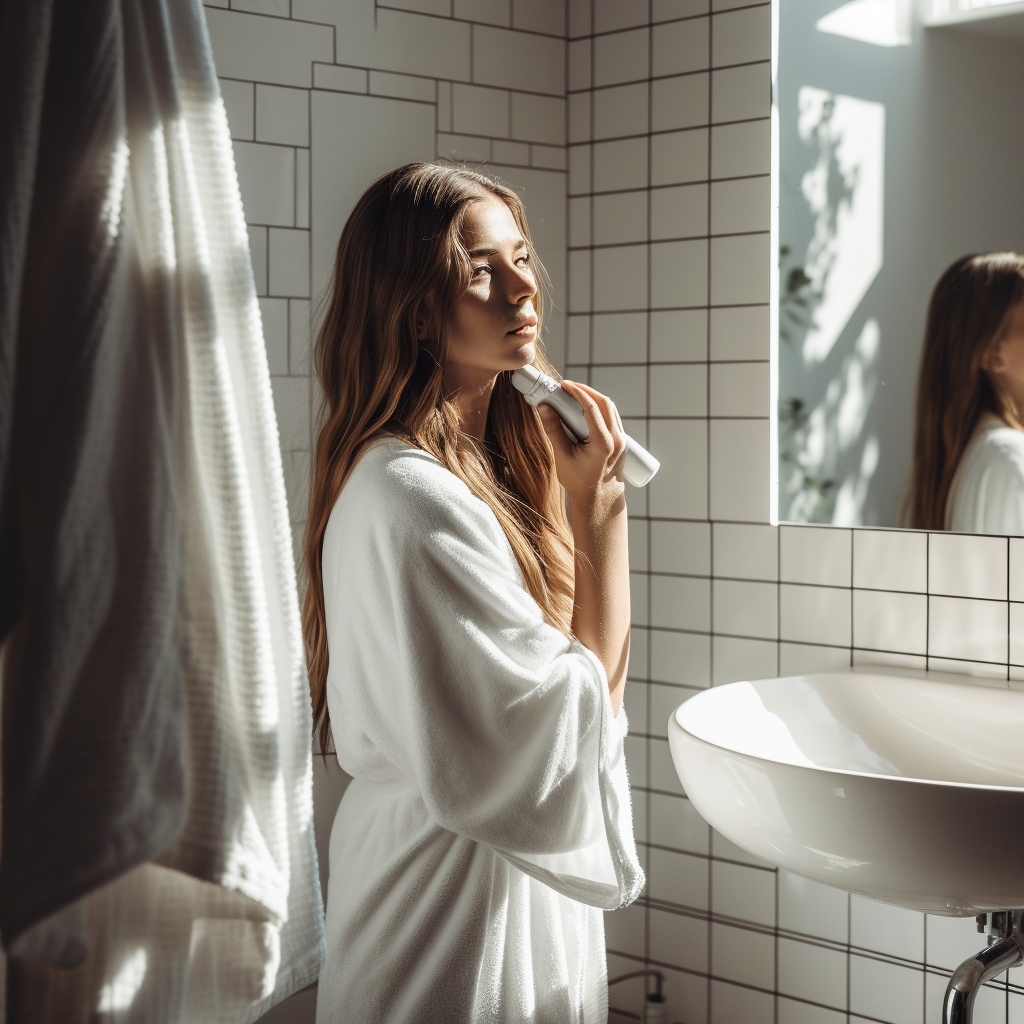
(904, 788)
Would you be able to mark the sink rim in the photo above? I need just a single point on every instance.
(941, 678)
(854, 829)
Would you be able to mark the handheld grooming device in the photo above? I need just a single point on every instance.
(639, 465)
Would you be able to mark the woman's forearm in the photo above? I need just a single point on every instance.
(601, 614)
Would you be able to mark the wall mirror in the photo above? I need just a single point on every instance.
(898, 146)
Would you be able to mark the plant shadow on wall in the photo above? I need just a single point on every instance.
(832, 212)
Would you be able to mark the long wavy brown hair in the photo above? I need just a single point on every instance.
(401, 260)
(968, 312)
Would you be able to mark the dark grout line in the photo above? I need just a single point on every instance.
(667, 21)
(469, 21)
(709, 70)
(572, 144)
(666, 241)
(666, 185)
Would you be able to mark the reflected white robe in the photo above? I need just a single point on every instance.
(987, 493)
(489, 821)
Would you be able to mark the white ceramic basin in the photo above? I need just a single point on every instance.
(905, 787)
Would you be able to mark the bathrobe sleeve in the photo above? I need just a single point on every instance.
(504, 724)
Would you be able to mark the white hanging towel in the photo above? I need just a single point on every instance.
(488, 824)
(157, 812)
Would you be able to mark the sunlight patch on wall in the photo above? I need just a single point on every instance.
(845, 192)
(835, 426)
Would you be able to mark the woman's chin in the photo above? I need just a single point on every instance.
(523, 354)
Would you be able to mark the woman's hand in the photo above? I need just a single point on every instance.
(591, 475)
(591, 471)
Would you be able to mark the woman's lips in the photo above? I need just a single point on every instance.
(530, 327)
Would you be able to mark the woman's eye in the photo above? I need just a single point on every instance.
(523, 259)
(483, 266)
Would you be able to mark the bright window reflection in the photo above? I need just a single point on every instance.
(938, 11)
(120, 991)
(880, 22)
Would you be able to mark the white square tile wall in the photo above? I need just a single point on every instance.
(638, 133)
(783, 600)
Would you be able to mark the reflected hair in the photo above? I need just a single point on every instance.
(969, 311)
(401, 263)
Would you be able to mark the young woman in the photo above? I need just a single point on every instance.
(466, 645)
(968, 468)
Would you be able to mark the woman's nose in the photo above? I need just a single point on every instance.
(521, 285)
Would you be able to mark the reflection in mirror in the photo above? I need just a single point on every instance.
(899, 152)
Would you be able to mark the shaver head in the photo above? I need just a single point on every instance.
(525, 378)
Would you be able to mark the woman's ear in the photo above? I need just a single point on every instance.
(424, 318)
(992, 359)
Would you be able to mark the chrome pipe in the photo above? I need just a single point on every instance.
(1005, 952)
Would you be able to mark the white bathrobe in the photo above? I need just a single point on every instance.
(489, 822)
(987, 494)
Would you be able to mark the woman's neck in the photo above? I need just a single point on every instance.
(1008, 411)
(472, 397)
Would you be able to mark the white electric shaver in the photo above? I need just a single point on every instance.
(639, 465)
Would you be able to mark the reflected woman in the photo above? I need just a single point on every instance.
(968, 462)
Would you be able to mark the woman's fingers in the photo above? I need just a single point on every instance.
(601, 414)
(607, 407)
(613, 422)
(592, 411)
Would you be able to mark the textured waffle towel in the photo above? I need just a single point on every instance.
(157, 800)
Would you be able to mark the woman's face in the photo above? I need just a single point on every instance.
(1004, 361)
(494, 323)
